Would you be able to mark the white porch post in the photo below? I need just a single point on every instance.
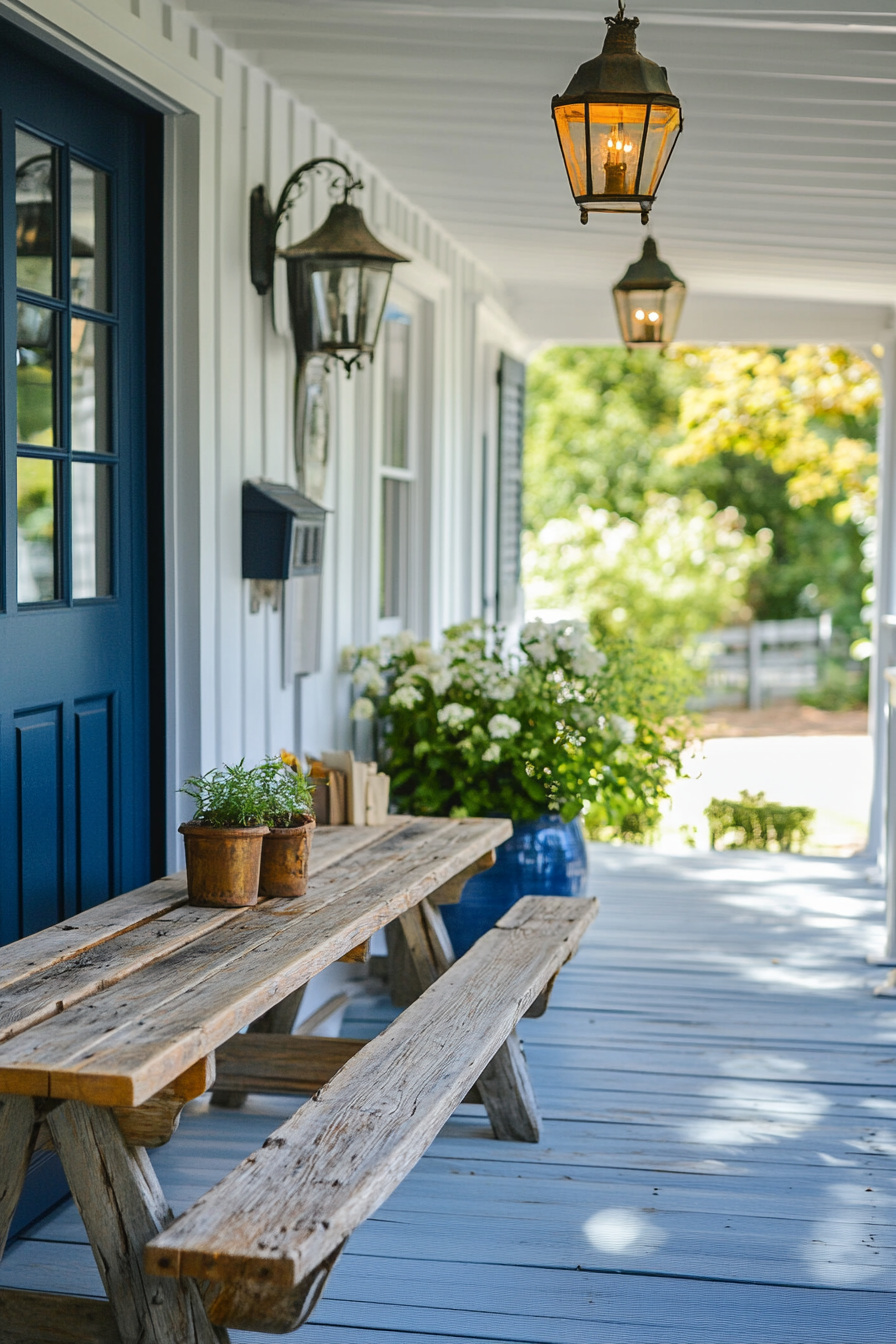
(884, 640)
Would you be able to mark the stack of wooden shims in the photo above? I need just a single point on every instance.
(351, 792)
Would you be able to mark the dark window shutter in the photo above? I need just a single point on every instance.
(511, 424)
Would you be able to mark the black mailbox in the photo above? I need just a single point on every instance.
(283, 532)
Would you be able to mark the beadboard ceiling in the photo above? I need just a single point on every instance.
(779, 198)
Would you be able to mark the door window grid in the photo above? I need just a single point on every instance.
(63, 402)
(396, 472)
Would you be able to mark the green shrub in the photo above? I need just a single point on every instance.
(839, 689)
(756, 824)
(552, 724)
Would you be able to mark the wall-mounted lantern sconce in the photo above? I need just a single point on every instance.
(338, 276)
(617, 124)
(649, 299)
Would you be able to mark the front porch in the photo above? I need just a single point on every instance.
(717, 1085)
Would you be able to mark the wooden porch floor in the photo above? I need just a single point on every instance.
(718, 1153)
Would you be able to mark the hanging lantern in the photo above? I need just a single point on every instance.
(617, 124)
(649, 299)
(338, 276)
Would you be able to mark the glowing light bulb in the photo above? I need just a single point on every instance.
(618, 144)
(628, 147)
(640, 314)
(653, 317)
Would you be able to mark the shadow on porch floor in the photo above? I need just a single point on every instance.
(718, 1153)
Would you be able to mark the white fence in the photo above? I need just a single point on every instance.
(750, 665)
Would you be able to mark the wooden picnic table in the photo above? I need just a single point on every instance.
(109, 1023)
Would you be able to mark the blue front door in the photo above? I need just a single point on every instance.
(75, 792)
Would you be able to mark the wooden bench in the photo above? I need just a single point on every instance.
(263, 1241)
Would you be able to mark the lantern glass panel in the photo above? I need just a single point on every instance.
(336, 299)
(374, 288)
(649, 316)
(570, 122)
(616, 133)
(662, 132)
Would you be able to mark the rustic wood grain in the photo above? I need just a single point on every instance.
(18, 1131)
(508, 1096)
(50, 1318)
(152, 1124)
(38, 954)
(122, 1206)
(278, 1216)
(39, 951)
(68, 982)
(288, 1064)
(452, 890)
(277, 1020)
(123, 1045)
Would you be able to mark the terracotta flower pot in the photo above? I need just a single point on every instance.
(284, 860)
(223, 863)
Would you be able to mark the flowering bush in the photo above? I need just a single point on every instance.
(551, 725)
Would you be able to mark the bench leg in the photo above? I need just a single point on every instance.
(18, 1130)
(277, 1021)
(507, 1094)
(121, 1202)
(423, 952)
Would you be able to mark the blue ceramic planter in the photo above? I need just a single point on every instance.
(546, 857)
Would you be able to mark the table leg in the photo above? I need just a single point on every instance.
(18, 1130)
(121, 1202)
(423, 952)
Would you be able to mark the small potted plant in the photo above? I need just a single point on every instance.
(223, 840)
(288, 809)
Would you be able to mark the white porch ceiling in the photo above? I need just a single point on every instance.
(778, 204)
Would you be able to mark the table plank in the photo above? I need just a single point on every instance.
(123, 1044)
(40, 952)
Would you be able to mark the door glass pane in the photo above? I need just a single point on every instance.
(394, 549)
(90, 387)
(91, 530)
(90, 237)
(36, 497)
(36, 375)
(37, 231)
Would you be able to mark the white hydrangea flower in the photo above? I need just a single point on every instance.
(454, 715)
(347, 658)
(623, 728)
(362, 709)
(440, 680)
(588, 661)
(492, 753)
(367, 677)
(405, 697)
(404, 641)
(503, 725)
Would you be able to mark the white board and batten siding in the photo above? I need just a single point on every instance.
(230, 384)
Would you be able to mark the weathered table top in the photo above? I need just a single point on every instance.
(112, 1005)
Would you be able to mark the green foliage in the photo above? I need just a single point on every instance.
(683, 568)
(269, 794)
(284, 794)
(840, 688)
(481, 727)
(598, 420)
(783, 438)
(752, 823)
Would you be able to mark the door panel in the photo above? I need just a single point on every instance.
(74, 647)
(39, 790)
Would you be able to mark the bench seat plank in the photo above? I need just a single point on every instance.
(263, 1233)
(124, 1044)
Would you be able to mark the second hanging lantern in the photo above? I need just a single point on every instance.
(649, 299)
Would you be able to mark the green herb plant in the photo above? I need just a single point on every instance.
(269, 794)
(753, 823)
